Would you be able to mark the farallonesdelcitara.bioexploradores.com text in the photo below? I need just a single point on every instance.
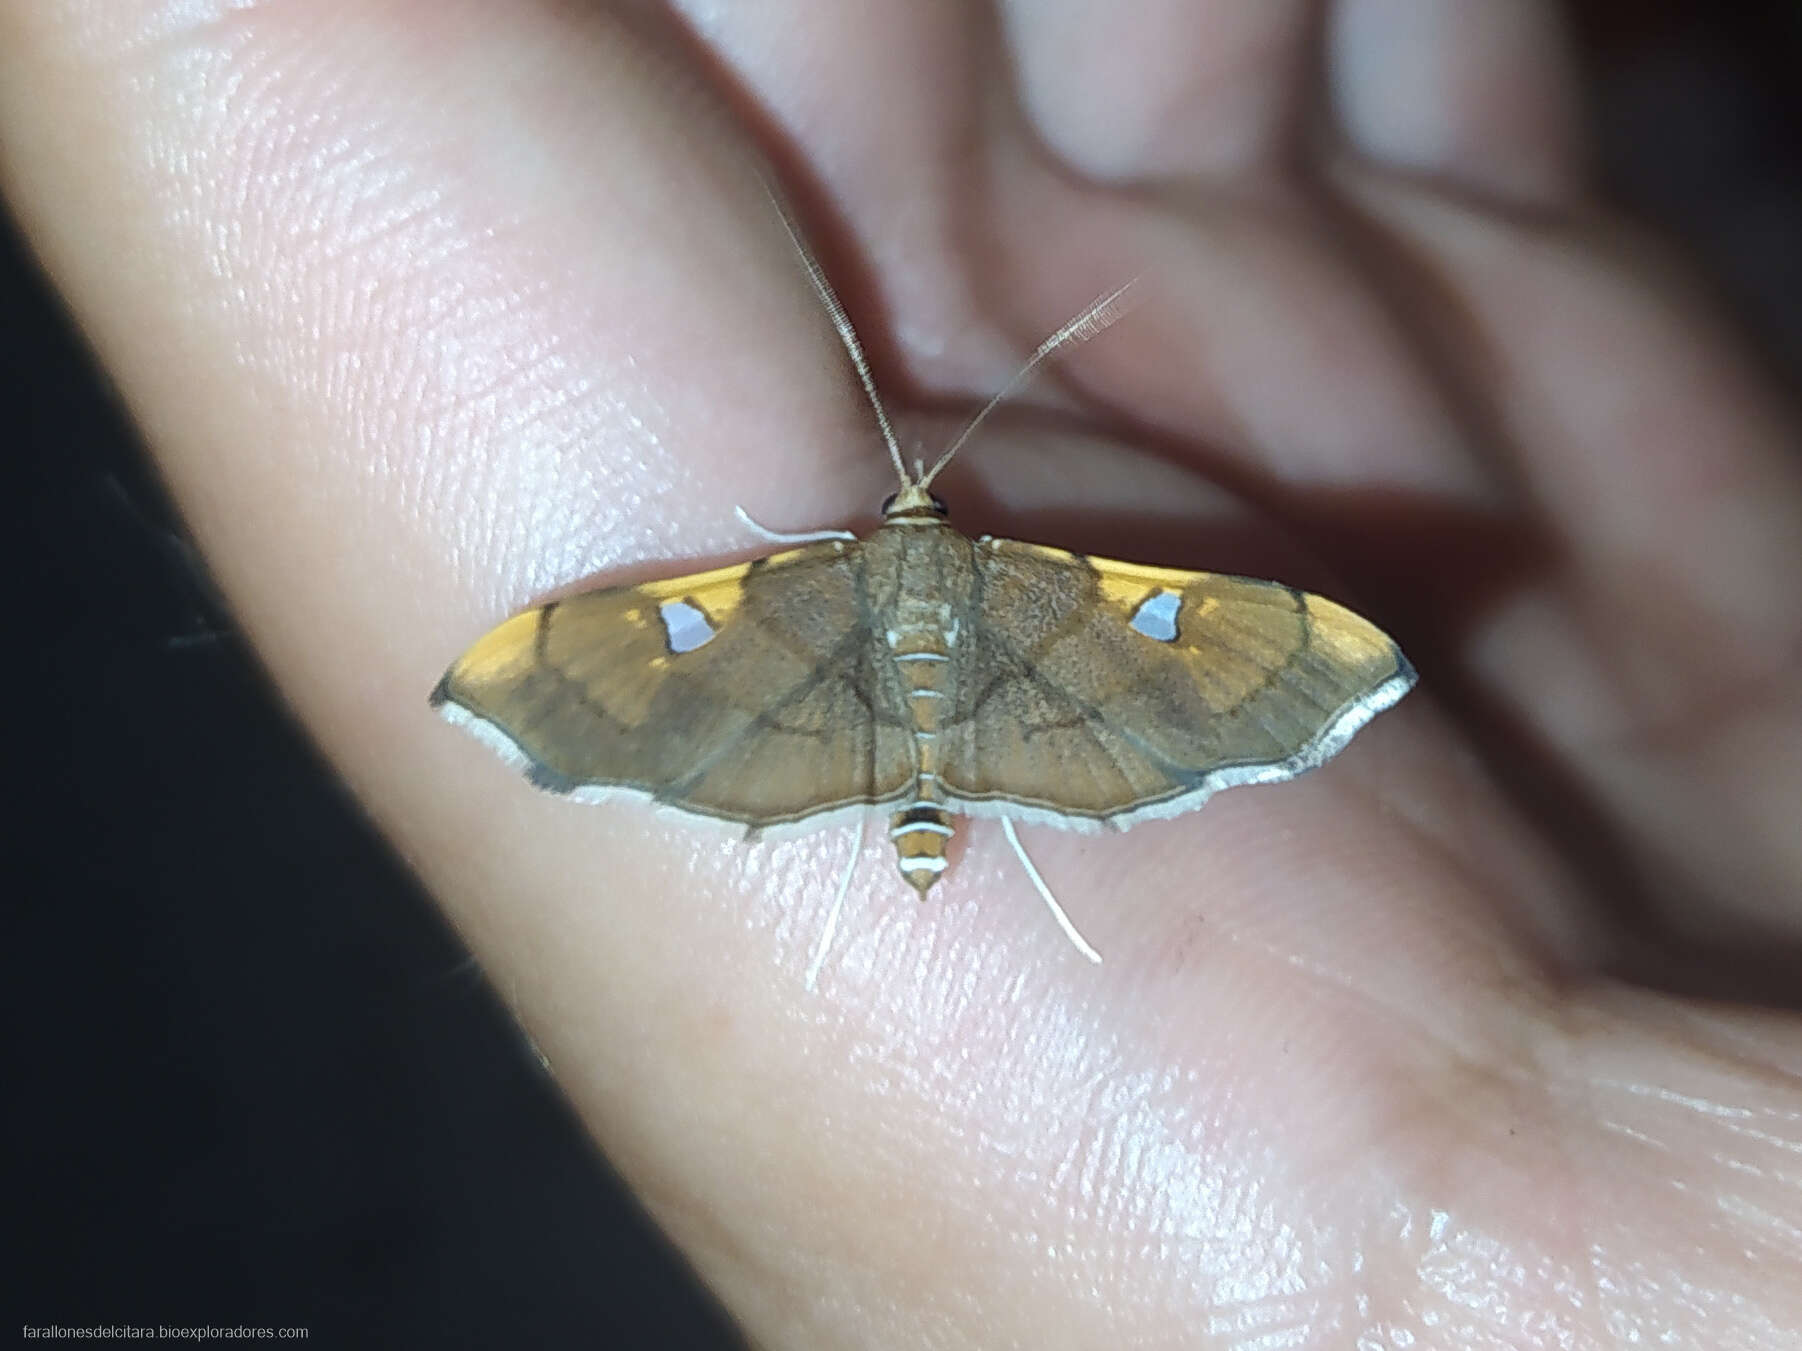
(162, 1332)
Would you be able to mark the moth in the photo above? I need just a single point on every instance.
(927, 676)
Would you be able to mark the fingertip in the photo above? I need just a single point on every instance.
(1484, 96)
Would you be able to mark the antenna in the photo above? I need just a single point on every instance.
(846, 335)
(1086, 325)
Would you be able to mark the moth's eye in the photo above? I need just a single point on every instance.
(888, 502)
(938, 504)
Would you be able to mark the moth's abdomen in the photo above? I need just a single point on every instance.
(920, 833)
(922, 828)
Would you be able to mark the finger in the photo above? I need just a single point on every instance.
(1481, 96)
(415, 335)
(1256, 338)
(1168, 90)
(1260, 345)
(1661, 663)
(1174, 139)
(1264, 340)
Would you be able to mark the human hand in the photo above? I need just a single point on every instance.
(425, 322)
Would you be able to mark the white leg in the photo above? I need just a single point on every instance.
(1057, 911)
(838, 906)
(783, 537)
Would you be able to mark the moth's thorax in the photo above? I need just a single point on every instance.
(920, 574)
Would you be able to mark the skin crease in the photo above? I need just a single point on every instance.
(429, 311)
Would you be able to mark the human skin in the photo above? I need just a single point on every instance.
(430, 311)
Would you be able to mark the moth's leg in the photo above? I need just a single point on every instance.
(1057, 911)
(838, 904)
(783, 537)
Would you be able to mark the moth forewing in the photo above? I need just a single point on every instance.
(1105, 692)
(749, 693)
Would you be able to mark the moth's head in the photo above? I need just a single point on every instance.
(913, 503)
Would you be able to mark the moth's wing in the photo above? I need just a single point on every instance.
(1087, 690)
(753, 693)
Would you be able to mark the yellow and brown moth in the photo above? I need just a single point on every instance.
(927, 675)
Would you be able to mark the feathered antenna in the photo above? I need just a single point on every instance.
(1086, 325)
(1099, 316)
(846, 335)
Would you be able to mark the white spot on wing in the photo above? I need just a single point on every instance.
(686, 626)
(1156, 616)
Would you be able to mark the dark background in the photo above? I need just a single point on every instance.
(258, 1080)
